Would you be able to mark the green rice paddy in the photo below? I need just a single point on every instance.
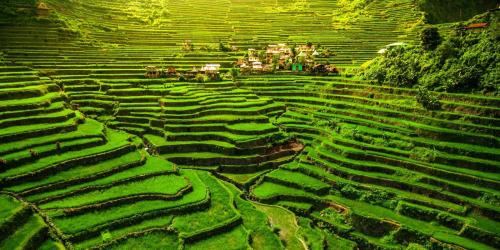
(93, 155)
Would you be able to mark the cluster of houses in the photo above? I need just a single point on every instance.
(210, 70)
(281, 57)
(273, 57)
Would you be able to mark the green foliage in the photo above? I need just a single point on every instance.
(414, 246)
(200, 78)
(149, 240)
(182, 78)
(465, 61)
(443, 11)
(22, 11)
(430, 38)
(294, 5)
(223, 47)
(423, 154)
(398, 67)
(333, 215)
(3, 61)
(349, 12)
(187, 46)
(234, 73)
(351, 192)
(427, 99)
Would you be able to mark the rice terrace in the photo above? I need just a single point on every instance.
(250, 124)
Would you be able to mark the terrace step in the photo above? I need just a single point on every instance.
(28, 235)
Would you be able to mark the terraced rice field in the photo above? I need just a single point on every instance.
(95, 156)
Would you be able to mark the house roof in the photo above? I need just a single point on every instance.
(476, 26)
(395, 44)
(42, 6)
(382, 51)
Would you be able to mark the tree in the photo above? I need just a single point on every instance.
(187, 46)
(2, 59)
(223, 47)
(200, 78)
(234, 73)
(427, 99)
(293, 51)
(430, 38)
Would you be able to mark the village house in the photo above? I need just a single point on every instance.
(306, 54)
(191, 73)
(306, 49)
(152, 72)
(257, 66)
(253, 55)
(279, 51)
(170, 71)
(210, 69)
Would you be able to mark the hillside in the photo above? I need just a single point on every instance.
(98, 152)
(446, 11)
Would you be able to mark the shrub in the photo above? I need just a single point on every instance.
(427, 99)
(33, 153)
(464, 62)
(423, 154)
(490, 81)
(351, 192)
(2, 59)
(3, 163)
(378, 197)
(430, 38)
(216, 77)
(182, 78)
(398, 67)
(460, 77)
(234, 73)
(187, 46)
(223, 47)
(200, 78)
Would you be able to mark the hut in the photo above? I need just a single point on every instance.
(333, 69)
(210, 69)
(257, 66)
(42, 10)
(252, 56)
(171, 71)
(319, 69)
(240, 62)
(190, 74)
(152, 72)
(307, 49)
